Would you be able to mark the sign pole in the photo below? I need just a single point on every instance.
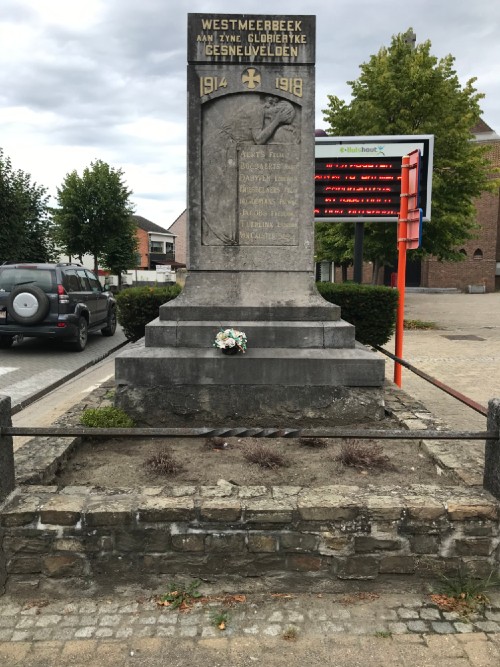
(402, 237)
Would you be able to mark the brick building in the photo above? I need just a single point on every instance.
(179, 229)
(155, 245)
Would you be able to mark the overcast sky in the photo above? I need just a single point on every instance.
(106, 79)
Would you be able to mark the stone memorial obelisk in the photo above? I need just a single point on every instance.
(251, 236)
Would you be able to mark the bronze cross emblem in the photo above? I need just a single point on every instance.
(251, 78)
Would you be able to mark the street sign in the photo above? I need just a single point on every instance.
(414, 217)
(358, 179)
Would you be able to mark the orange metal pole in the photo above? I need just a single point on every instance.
(402, 235)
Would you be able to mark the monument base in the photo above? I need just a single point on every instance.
(250, 405)
(266, 386)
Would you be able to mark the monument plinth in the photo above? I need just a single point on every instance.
(250, 248)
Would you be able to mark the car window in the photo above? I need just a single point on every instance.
(83, 280)
(71, 281)
(45, 279)
(94, 282)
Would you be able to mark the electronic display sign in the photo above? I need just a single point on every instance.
(358, 179)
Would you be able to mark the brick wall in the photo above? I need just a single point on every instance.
(179, 227)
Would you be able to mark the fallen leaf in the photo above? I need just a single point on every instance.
(222, 625)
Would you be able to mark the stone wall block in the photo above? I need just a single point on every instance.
(268, 511)
(424, 544)
(333, 544)
(424, 508)
(226, 543)
(62, 510)
(65, 565)
(298, 542)
(397, 565)
(367, 544)
(307, 563)
(358, 567)
(7, 469)
(159, 509)
(36, 542)
(109, 511)
(188, 542)
(24, 564)
(329, 504)
(262, 543)
(384, 508)
(462, 509)
(474, 546)
(223, 510)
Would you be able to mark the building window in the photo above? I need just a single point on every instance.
(169, 247)
(156, 246)
(478, 254)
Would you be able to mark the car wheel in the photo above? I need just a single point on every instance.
(6, 341)
(28, 304)
(110, 327)
(83, 334)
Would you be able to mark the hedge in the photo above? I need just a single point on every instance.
(371, 309)
(139, 305)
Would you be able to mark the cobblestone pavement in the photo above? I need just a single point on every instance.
(366, 629)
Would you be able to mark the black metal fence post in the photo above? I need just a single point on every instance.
(491, 479)
(7, 474)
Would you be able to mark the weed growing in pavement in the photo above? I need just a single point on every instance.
(180, 596)
(290, 634)
(462, 593)
(313, 443)
(163, 463)
(220, 619)
(419, 325)
(383, 634)
(358, 455)
(107, 417)
(265, 457)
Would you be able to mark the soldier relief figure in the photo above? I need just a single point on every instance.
(229, 124)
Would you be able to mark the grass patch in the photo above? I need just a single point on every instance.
(163, 463)
(108, 417)
(363, 455)
(220, 619)
(265, 457)
(290, 634)
(419, 325)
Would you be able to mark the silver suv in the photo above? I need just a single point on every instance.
(63, 301)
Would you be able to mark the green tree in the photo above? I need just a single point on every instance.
(94, 214)
(406, 90)
(24, 217)
(121, 255)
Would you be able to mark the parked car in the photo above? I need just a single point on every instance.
(62, 301)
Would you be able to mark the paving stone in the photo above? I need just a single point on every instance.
(110, 620)
(6, 634)
(273, 630)
(442, 628)
(165, 631)
(397, 628)
(463, 627)
(407, 613)
(189, 631)
(417, 626)
(430, 614)
(487, 626)
(124, 633)
(86, 632)
(21, 636)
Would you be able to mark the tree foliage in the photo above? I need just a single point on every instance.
(94, 216)
(24, 217)
(406, 90)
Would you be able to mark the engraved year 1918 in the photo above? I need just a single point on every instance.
(290, 85)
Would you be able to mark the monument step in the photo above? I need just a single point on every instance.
(201, 334)
(165, 367)
(173, 310)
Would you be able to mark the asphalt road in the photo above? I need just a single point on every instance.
(31, 367)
